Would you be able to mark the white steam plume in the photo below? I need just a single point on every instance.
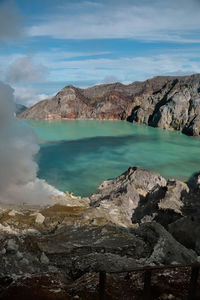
(23, 69)
(18, 145)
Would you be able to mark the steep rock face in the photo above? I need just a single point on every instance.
(165, 102)
(175, 106)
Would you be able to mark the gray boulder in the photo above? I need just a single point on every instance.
(186, 231)
(121, 196)
(161, 247)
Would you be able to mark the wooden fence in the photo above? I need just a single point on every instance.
(192, 290)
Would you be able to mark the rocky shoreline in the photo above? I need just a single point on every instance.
(165, 101)
(136, 219)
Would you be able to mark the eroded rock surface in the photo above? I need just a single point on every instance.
(117, 229)
(139, 196)
(121, 196)
(61, 243)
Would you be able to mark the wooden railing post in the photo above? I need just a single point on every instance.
(147, 285)
(193, 282)
(102, 284)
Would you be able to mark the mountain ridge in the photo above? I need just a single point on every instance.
(170, 102)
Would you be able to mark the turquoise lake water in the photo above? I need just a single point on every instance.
(77, 155)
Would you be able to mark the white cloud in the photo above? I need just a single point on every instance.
(23, 69)
(110, 79)
(28, 96)
(126, 69)
(57, 55)
(177, 21)
(99, 68)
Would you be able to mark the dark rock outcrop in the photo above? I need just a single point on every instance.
(186, 229)
(165, 102)
(141, 196)
(123, 195)
(174, 106)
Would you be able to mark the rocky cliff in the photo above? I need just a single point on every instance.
(165, 102)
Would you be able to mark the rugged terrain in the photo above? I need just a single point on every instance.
(135, 220)
(165, 102)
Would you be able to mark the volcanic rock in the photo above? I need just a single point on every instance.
(166, 102)
(121, 196)
(44, 259)
(139, 196)
(99, 236)
(116, 230)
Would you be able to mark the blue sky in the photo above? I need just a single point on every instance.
(46, 44)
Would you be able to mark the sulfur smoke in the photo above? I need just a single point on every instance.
(18, 144)
(18, 170)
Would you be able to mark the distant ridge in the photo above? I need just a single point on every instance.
(163, 101)
(19, 108)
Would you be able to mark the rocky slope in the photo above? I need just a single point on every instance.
(143, 196)
(137, 219)
(165, 102)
